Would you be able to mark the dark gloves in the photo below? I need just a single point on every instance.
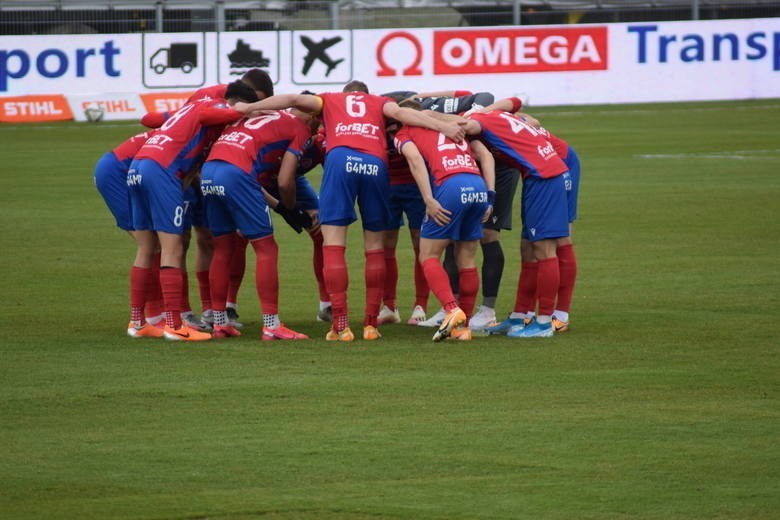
(295, 217)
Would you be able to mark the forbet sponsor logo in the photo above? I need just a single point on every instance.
(520, 50)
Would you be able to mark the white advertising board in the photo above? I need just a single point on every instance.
(552, 65)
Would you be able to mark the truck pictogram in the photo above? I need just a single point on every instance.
(182, 56)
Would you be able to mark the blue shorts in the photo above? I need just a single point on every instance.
(573, 182)
(111, 182)
(305, 195)
(156, 198)
(196, 212)
(545, 210)
(465, 195)
(406, 198)
(234, 201)
(348, 176)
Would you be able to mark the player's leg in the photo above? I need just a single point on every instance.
(546, 214)
(204, 250)
(464, 224)
(389, 311)
(338, 193)
(375, 218)
(414, 207)
(567, 265)
(567, 260)
(158, 205)
(431, 250)
(237, 269)
(140, 274)
(307, 199)
(218, 182)
(507, 179)
(336, 280)
(421, 289)
(492, 271)
(374, 275)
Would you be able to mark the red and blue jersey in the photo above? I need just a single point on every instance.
(561, 147)
(313, 154)
(443, 156)
(125, 152)
(213, 92)
(519, 144)
(398, 169)
(257, 144)
(184, 137)
(355, 120)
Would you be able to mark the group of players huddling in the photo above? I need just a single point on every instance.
(450, 161)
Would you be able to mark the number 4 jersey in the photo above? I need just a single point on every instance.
(519, 144)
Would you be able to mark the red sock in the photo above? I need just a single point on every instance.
(525, 299)
(337, 281)
(139, 277)
(154, 299)
(389, 296)
(547, 281)
(469, 286)
(267, 273)
(171, 280)
(439, 283)
(421, 288)
(316, 260)
(205, 290)
(374, 273)
(567, 264)
(185, 292)
(219, 270)
(237, 267)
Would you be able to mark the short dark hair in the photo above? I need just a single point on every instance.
(411, 103)
(241, 91)
(259, 80)
(396, 96)
(355, 86)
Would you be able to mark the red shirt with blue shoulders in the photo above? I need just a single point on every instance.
(443, 156)
(181, 141)
(257, 144)
(519, 144)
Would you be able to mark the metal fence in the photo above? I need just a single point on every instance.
(124, 16)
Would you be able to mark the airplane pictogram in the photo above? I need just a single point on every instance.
(317, 52)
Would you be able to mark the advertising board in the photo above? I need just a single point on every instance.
(550, 65)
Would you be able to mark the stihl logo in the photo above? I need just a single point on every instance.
(520, 50)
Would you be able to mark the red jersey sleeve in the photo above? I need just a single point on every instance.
(154, 119)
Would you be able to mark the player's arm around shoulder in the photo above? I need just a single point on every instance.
(487, 165)
(412, 117)
(304, 102)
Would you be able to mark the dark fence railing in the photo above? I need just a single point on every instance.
(118, 16)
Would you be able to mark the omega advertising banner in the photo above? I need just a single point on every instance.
(120, 76)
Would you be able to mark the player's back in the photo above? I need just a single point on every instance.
(182, 137)
(257, 144)
(443, 156)
(355, 120)
(519, 144)
(127, 149)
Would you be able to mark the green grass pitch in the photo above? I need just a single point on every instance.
(661, 402)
